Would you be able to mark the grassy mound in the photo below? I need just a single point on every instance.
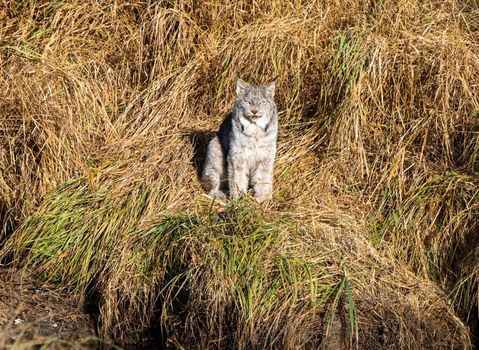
(233, 278)
(104, 118)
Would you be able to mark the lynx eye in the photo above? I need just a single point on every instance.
(248, 102)
(262, 102)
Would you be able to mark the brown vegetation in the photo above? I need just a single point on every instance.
(104, 114)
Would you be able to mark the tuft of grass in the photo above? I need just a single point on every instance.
(30, 338)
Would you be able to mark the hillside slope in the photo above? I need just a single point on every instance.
(104, 116)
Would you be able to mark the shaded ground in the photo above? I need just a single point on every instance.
(31, 315)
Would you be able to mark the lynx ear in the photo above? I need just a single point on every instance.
(269, 89)
(241, 86)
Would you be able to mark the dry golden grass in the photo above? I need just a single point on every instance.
(104, 116)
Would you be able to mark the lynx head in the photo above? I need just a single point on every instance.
(255, 103)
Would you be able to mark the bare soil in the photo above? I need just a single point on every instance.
(31, 315)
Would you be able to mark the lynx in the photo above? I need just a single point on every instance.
(241, 155)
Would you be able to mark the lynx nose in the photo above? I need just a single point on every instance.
(254, 110)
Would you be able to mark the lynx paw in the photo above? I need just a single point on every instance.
(262, 197)
(219, 195)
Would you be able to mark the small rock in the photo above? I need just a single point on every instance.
(18, 321)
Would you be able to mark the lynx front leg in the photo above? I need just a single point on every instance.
(262, 180)
(237, 178)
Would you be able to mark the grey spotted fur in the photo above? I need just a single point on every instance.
(241, 156)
